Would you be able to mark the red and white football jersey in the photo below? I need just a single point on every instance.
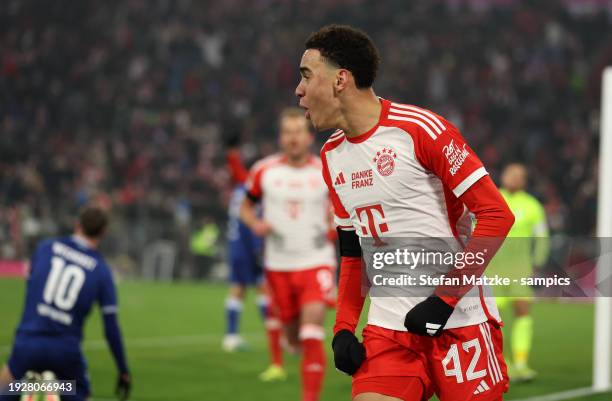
(295, 202)
(402, 179)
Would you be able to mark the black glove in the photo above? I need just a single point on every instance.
(349, 353)
(124, 384)
(429, 317)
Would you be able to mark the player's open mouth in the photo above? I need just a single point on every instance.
(306, 112)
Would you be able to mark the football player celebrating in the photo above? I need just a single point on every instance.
(398, 171)
(299, 259)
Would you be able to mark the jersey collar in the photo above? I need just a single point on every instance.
(80, 241)
(383, 114)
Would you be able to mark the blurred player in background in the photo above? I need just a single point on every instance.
(400, 171)
(527, 245)
(244, 250)
(299, 259)
(67, 276)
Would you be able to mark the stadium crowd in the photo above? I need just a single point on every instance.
(129, 104)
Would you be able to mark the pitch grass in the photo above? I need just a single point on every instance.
(173, 334)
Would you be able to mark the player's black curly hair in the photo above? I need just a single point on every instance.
(349, 48)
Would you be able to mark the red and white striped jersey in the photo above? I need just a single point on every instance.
(295, 202)
(402, 179)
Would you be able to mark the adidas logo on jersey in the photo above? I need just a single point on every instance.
(482, 387)
(432, 328)
(340, 179)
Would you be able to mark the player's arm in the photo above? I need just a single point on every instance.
(35, 256)
(115, 343)
(248, 214)
(469, 182)
(351, 294)
(112, 333)
(494, 219)
(248, 207)
(349, 353)
(332, 233)
(237, 171)
(541, 237)
(114, 340)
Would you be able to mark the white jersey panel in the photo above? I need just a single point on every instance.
(387, 192)
(296, 203)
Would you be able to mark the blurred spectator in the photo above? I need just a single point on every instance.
(204, 248)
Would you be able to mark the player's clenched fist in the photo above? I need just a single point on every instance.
(429, 317)
(349, 353)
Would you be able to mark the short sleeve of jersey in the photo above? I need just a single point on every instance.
(107, 297)
(341, 217)
(449, 157)
(253, 183)
(42, 249)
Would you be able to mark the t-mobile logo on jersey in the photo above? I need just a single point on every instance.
(373, 222)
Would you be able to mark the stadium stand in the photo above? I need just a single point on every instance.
(128, 103)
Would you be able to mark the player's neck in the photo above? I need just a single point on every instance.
(360, 113)
(88, 242)
(513, 191)
(299, 161)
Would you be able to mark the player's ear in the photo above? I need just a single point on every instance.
(341, 80)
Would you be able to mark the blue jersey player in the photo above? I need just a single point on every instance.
(244, 248)
(67, 276)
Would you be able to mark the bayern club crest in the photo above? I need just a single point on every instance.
(385, 161)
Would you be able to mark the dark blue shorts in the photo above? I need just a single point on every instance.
(244, 270)
(62, 357)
